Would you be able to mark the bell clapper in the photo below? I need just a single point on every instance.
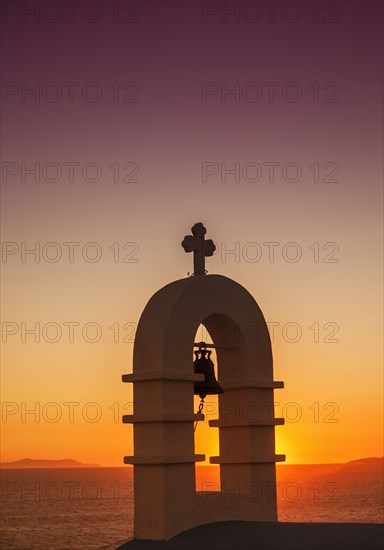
(199, 410)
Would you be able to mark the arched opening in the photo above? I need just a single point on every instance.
(229, 360)
(163, 408)
(206, 438)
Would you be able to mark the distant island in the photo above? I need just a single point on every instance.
(371, 460)
(42, 463)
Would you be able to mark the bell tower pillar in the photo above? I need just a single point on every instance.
(166, 501)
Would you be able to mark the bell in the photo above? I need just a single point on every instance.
(204, 365)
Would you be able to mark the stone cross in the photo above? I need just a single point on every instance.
(200, 248)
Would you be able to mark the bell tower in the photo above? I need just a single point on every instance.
(164, 382)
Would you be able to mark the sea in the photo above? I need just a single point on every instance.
(92, 508)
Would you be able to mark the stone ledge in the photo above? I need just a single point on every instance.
(163, 375)
(163, 459)
(254, 384)
(168, 417)
(260, 459)
(244, 423)
(192, 377)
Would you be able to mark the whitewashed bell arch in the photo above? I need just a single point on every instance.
(166, 501)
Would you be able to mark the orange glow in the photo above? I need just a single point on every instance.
(331, 401)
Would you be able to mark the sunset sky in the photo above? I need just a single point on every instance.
(264, 125)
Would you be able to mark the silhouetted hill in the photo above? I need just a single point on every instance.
(363, 467)
(42, 463)
(368, 461)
